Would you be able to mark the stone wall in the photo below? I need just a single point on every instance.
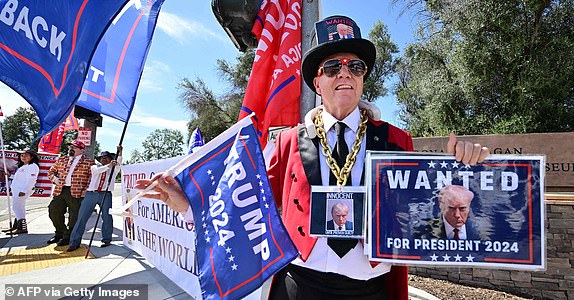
(557, 147)
(557, 282)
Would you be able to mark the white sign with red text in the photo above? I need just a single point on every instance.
(85, 135)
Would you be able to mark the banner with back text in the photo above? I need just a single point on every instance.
(432, 210)
(45, 50)
(43, 187)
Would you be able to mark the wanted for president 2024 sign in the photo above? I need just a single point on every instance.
(491, 216)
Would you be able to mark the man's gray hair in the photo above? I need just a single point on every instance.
(340, 206)
(457, 191)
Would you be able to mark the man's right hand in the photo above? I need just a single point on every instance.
(167, 190)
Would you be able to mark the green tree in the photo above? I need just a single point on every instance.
(384, 64)
(162, 143)
(69, 136)
(135, 157)
(487, 66)
(215, 113)
(20, 129)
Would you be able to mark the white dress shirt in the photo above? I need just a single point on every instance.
(450, 230)
(98, 172)
(322, 258)
(74, 161)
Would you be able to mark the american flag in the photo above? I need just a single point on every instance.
(195, 140)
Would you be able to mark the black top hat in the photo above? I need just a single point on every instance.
(106, 153)
(329, 42)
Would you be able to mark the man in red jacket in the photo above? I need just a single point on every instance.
(329, 150)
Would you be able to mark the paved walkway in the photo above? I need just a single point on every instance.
(26, 259)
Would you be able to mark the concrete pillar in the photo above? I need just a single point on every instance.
(90, 149)
(310, 15)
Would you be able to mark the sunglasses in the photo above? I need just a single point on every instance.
(332, 67)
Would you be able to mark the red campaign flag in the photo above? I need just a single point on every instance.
(274, 86)
(52, 141)
(71, 123)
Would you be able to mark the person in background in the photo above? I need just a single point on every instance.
(71, 175)
(98, 191)
(22, 188)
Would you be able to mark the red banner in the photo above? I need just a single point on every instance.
(275, 84)
(52, 141)
(43, 187)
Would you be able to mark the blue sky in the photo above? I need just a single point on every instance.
(187, 43)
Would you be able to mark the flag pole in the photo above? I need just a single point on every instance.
(6, 178)
(309, 15)
(103, 197)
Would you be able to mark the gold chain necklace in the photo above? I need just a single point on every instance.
(341, 174)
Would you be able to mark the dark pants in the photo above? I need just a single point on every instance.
(298, 283)
(57, 210)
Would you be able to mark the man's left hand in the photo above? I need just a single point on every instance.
(168, 190)
(467, 152)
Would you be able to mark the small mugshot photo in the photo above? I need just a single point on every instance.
(341, 31)
(340, 215)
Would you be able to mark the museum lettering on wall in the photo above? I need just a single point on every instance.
(558, 148)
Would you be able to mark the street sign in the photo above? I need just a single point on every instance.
(85, 135)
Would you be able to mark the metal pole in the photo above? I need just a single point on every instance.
(309, 16)
(91, 150)
(103, 198)
(6, 178)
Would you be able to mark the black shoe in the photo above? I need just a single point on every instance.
(14, 226)
(21, 227)
(53, 240)
(105, 244)
(63, 242)
(72, 248)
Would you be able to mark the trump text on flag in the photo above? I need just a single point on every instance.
(241, 240)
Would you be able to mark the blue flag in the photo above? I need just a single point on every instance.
(45, 50)
(114, 74)
(196, 140)
(241, 240)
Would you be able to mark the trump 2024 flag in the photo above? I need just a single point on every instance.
(45, 50)
(241, 240)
